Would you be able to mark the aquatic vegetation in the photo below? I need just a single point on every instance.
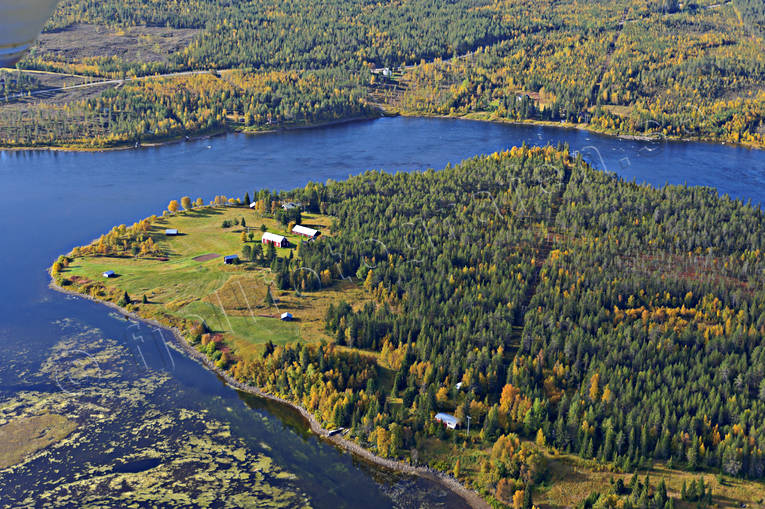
(121, 438)
(27, 435)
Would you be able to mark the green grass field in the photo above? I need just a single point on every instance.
(230, 299)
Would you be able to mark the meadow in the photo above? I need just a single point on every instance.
(192, 282)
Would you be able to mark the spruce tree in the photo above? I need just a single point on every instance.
(125, 300)
(527, 502)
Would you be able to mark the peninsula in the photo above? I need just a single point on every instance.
(537, 330)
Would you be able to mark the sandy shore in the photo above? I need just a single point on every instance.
(448, 482)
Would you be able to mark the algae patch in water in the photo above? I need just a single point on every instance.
(24, 436)
(120, 435)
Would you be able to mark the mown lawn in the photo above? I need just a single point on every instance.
(231, 299)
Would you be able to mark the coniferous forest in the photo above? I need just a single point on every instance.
(651, 68)
(547, 301)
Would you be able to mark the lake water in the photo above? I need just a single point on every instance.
(52, 201)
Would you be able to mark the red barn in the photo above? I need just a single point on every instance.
(276, 240)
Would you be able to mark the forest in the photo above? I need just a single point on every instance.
(613, 320)
(157, 109)
(691, 73)
(300, 35)
(652, 68)
(558, 309)
(616, 321)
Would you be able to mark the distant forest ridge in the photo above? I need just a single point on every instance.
(658, 69)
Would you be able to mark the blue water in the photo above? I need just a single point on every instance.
(53, 201)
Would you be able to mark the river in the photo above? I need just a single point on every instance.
(53, 201)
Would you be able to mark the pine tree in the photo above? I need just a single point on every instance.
(527, 502)
(701, 490)
(633, 483)
(693, 453)
(661, 493)
(269, 349)
(256, 252)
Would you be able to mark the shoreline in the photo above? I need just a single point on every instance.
(471, 497)
(169, 141)
(381, 113)
(193, 137)
(328, 123)
(475, 117)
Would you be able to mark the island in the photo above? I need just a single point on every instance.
(524, 328)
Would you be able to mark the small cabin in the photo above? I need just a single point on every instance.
(276, 240)
(253, 205)
(447, 420)
(305, 232)
(287, 317)
(231, 259)
(290, 205)
(170, 232)
(109, 273)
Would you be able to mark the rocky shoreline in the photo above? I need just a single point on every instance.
(447, 481)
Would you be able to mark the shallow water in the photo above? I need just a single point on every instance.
(53, 201)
